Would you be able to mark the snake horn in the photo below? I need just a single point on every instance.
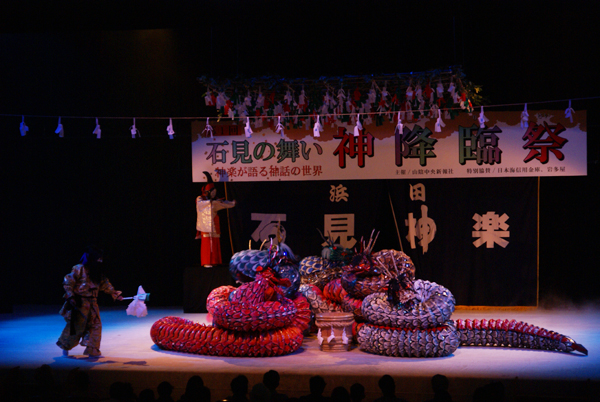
(209, 178)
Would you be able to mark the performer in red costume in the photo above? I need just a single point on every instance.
(207, 224)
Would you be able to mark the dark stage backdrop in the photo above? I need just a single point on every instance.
(477, 237)
(136, 199)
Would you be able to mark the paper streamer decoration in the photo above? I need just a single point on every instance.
(452, 92)
(170, 130)
(279, 127)
(247, 129)
(524, 118)
(569, 112)
(134, 131)
(358, 128)
(399, 126)
(409, 113)
(482, 119)
(440, 90)
(208, 98)
(317, 128)
(208, 129)
(137, 307)
(24, 129)
(97, 131)
(439, 122)
(59, 129)
(409, 93)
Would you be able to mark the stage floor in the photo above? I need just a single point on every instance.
(28, 336)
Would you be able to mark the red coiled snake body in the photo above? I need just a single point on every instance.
(254, 320)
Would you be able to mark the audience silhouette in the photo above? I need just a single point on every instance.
(76, 388)
(357, 392)
(260, 393)
(121, 392)
(146, 395)
(340, 394)
(164, 391)
(387, 385)
(45, 389)
(271, 380)
(316, 385)
(195, 391)
(439, 384)
(239, 389)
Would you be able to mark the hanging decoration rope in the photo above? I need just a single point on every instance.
(302, 102)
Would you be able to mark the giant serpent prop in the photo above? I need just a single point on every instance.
(281, 258)
(254, 320)
(411, 318)
(400, 316)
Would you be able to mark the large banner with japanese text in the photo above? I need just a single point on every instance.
(490, 144)
(478, 238)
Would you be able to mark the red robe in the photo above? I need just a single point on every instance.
(209, 229)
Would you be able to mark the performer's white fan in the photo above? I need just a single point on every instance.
(137, 307)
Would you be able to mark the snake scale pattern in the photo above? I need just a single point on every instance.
(396, 314)
(254, 320)
(413, 318)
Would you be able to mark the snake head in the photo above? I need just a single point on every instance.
(337, 253)
(392, 292)
(273, 278)
(405, 281)
(362, 265)
(279, 255)
(401, 290)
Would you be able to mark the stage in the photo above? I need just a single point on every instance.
(28, 336)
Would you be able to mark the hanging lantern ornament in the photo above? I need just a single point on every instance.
(279, 127)
(569, 112)
(134, 131)
(524, 118)
(208, 129)
(97, 131)
(247, 129)
(59, 129)
(170, 130)
(482, 119)
(24, 129)
(317, 128)
(439, 122)
(358, 128)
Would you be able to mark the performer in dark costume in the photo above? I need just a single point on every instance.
(81, 310)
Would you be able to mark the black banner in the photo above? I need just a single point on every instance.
(476, 237)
